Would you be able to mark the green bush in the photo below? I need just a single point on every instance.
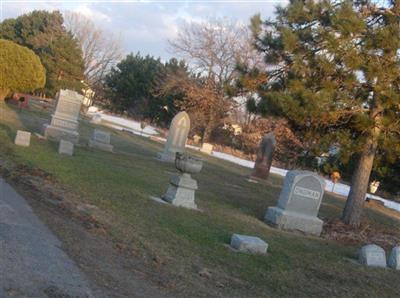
(20, 69)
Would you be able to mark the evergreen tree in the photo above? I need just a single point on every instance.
(168, 97)
(334, 73)
(59, 52)
(130, 83)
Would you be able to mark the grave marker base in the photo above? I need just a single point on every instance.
(57, 134)
(293, 221)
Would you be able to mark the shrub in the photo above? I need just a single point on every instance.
(20, 69)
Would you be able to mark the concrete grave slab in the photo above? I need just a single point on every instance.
(23, 138)
(394, 258)
(66, 147)
(372, 255)
(249, 244)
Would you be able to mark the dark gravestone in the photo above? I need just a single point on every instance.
(265, 155)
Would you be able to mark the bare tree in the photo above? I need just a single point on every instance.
(214, 49)
(101, 50)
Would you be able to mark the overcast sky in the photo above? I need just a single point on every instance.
(146, 26)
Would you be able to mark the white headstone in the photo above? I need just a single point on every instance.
(299, 203)
(182, 187)
(206, 148)
(249, 244)
(23, 138)
(66, 147)
(372, 255)
(394, 258)
(64, 122)
(177, 136)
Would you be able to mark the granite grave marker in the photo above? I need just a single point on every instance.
(394, 258)
(64, 122)
(372, 255)
(177, 136)
(101, 140)
(66, 147)
(299, 203)
(264, 158)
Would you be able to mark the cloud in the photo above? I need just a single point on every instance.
(92, 14)
(147, 26)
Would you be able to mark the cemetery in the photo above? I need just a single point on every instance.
(252, 161)
(228, 206)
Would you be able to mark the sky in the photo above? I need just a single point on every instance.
(146, 26)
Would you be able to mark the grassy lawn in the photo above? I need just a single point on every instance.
(184, 241)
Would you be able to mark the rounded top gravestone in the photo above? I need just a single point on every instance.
(177, 136)
(302, 193)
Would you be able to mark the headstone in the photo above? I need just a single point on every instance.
(299, 203)
(64, 122)
(206, 148)
(182, 187)
(265, 154)
(372, 255)
(101, 140)
(66, 147)
(249, 244)
(394, 258)
(23, 138)
(177, 136)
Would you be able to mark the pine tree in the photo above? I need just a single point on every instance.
(59, 52)
(334, 73)
(130, 83)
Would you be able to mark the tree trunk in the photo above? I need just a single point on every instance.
(360, 180)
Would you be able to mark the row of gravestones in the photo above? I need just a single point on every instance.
(64, 126)
(298, 203)
(302, 192)
(375, 256)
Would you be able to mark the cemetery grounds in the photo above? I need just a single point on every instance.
(98, 204)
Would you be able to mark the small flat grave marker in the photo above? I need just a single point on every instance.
(394, 258)
(66, 147)
(372, 255)
(249, 244)
(23, 138)
(101, 140)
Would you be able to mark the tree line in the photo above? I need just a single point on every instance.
(321, 74)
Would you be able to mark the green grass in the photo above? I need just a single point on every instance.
(187, 241)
